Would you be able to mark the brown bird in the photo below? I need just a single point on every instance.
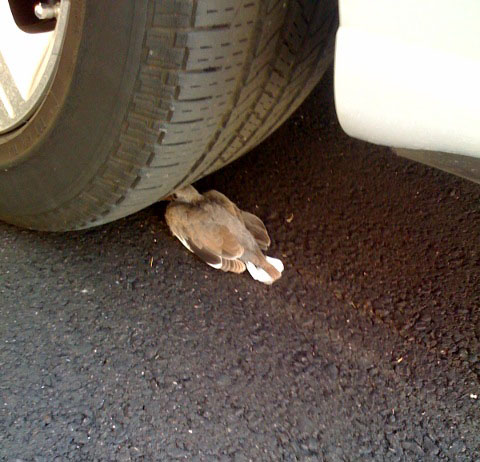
(223, 236)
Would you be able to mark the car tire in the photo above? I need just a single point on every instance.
(152, 95)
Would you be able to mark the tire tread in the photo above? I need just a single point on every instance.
(217, 77)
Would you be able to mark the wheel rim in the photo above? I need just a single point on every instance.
(28, 63)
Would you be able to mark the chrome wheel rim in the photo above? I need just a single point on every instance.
(28, 63)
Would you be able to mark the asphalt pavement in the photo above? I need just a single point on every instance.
(116, 344)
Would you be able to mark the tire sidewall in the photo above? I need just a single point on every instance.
(58, 151)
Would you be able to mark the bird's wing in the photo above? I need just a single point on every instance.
(257, 228)
(214, 238)
(218, 262)
(197, 229)
(224, 201)
(252, 222)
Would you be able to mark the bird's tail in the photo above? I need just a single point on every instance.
(267, 269)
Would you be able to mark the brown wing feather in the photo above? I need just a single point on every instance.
(216, 239)
(223, 200)
(194, 226)
(204, 254)
(257, 228)
(254, 224)
(213, 243)
(225, 264)
(235, 266)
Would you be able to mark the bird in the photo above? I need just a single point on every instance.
(211, 226)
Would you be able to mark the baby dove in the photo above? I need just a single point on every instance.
(223, 236)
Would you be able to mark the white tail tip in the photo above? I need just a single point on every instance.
(276, 263)
(259, 274)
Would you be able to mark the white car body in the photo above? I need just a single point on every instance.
(407, 73)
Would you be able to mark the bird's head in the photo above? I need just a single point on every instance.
(187, 194)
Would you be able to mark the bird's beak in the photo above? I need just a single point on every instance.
(168, 198)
